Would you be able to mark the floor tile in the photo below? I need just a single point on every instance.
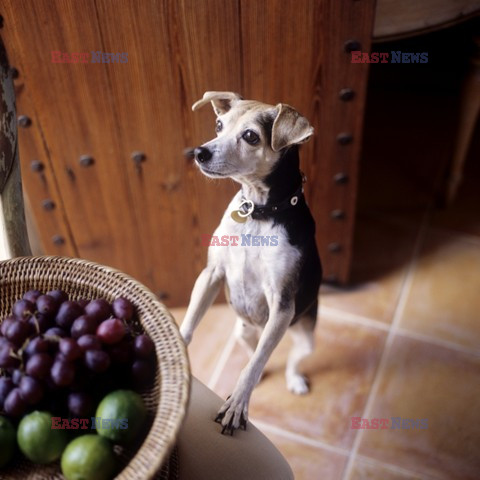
(382, 249)
(309, 462)
(365, 470)
(424, 381)
(209, 339)
(229, 375)
(341, 370)
(444, 299)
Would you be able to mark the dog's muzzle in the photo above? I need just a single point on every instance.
(202, 154)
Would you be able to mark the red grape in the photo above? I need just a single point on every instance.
(40, 322)
(83, 325)
(55, 332)
(18, 332)
(99, 309)
(59, 295)
(32, 295)
(70, 349)
(7, 360)
(6, 323)
(89, 342)
(122, 308)
(23, 308)
(111, 330)
(142, 373)
(14, 404)
(6, 386)
(144, 346)
(36, 345)
(32, 390)
(97, 360)
(47, 305)
(62, 373)
(17, 375)
(38, 365)
(67, 313)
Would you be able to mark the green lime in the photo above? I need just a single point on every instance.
(8, 442)
(37, 440)
(89, 457)
(121, 416)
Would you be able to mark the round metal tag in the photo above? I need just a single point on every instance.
(237, 217)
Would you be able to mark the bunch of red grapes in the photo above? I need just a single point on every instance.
(63, 355)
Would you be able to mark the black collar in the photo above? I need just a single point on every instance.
(262, 212)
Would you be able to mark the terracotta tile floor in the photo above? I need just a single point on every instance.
(402, 342)
(423, 364)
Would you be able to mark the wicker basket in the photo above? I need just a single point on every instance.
(166, 401)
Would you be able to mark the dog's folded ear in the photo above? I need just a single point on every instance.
(222, 102)
(289, 128)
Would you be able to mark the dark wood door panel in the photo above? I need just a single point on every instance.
(147, 217)
(73, 104)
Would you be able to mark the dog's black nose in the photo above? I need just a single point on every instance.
(202, 154)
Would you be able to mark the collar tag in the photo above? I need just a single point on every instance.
(245, 209)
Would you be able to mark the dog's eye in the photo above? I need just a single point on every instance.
(251, 137)
(218, 126)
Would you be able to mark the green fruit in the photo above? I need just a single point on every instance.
(89, 457)
(37, 440)
(121, 408)
(8, 442)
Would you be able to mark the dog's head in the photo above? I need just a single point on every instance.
(250, 136)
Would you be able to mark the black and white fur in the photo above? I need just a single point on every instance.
(271, 288)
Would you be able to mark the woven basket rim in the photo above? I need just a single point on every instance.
(174, 364)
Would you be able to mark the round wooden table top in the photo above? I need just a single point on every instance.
(396, 19)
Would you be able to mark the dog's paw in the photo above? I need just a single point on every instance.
(298, 384)
(232, 415)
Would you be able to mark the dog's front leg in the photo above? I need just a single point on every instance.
(234, 412)
(204, 293)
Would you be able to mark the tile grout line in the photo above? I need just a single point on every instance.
(222, 361)
(394, 468)
(340, 316)
(404, 292)
(267, 427)
(287, 434)
(439, 342)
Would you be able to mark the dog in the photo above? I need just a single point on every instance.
(272, 285)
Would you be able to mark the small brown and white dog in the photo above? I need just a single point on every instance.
(272, 285)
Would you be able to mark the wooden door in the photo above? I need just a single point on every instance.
(101, 143)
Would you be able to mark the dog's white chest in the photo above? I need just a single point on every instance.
(257, 259)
